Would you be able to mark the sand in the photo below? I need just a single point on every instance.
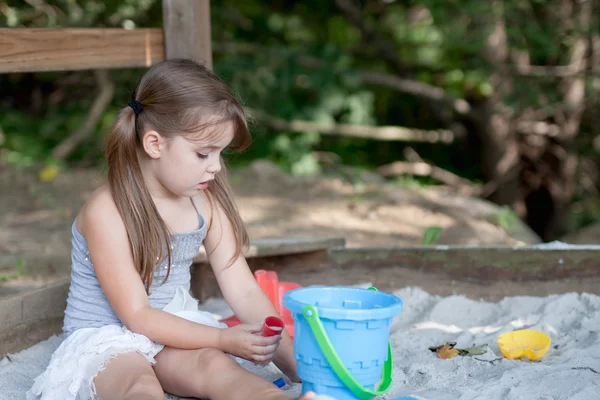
(571, 320)
(570, 370)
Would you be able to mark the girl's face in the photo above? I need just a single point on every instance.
(186, 166)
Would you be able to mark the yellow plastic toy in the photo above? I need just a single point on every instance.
(524, 343)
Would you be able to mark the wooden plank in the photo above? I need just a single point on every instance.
(263, 254)
(187, 30)
(44, 49)
(392, 277)
(33, 316)
(204, 283)
(482, 264)
(266, 247)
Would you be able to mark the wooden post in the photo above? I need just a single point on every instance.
(187, 30)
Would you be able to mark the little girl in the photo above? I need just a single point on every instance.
(132, 331)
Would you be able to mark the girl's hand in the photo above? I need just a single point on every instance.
(247, 342)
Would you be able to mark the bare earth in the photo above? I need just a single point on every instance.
(36, 217)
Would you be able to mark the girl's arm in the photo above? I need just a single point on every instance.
(111, 256)
(239, 287)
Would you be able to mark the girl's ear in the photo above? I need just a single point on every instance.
(153, 143)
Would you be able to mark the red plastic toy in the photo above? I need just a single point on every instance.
(272, 326)
(269, 283)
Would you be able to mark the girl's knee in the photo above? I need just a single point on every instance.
(128, 376)
(214, 360)
(145, 387)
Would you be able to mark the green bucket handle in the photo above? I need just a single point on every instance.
(312, 316)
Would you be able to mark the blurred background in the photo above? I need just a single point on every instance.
(388, 123)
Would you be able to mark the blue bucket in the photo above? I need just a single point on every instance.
(341, 339)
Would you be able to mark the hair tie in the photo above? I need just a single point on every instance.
(137, 107)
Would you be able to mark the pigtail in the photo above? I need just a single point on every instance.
(147, 232)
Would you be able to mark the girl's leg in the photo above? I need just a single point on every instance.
(128, 376)
(210, 373)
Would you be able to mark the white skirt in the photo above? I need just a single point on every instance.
(84, 353)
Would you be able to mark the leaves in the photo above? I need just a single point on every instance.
(505, 218)
(474, 351)
(435, 348)
(48, 173)
(431, 235)
(447, 350)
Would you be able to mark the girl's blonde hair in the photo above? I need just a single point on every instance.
(177, 97)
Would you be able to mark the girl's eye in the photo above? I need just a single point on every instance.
(203, 156)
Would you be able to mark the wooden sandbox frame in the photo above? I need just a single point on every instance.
(36, 315)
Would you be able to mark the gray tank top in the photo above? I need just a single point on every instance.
(87, 306)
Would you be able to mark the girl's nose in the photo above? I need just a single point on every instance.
(214, 167)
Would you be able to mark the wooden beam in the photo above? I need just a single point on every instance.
(260, 254)
(32, 316)
(279, 246)
(494, 272)
(481, 265)
(187, 30)
(66, 49)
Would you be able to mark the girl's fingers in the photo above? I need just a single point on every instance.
(264, 350)
(266, 341)
(263, 358)
(254, 328)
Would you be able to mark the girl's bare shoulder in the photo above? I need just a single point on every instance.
(99, 207)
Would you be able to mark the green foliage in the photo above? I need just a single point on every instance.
(271, 65)
(72, 13)
(18, 272)
(506, 218)
(413, 182)
(294, 153)
(300, 60)
(431, 235)
(583, 212)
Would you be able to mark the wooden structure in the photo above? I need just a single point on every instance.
(266, 253)
(494, 272)
(186, 34)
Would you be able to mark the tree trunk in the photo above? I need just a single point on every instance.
(562, 186)
(499, 150)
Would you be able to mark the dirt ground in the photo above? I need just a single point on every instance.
(35, 216)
